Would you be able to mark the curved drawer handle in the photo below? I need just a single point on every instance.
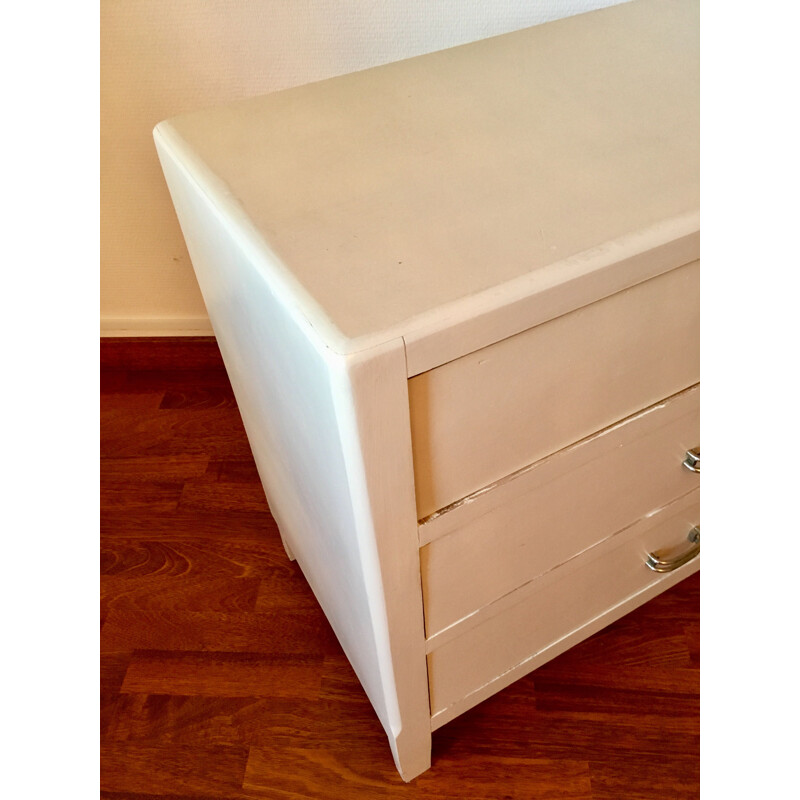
(692, 460)
(658, 564)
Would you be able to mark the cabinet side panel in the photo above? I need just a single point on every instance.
(283, 381)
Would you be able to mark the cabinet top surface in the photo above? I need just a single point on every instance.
(394, 192)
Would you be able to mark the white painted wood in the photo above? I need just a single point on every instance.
(490, 413)
(514, 598)
(287, 548)
(514, 224)
(555, 510)
(511, 488)
(497, 313)
(394, 194)
(382, 477)
(614, 613)
(167, 57)
(565, 600)
(319, 425)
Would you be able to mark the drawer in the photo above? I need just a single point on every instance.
(552, 511)
(490, 413)
(597, 586)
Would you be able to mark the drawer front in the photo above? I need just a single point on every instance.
(490, 413)
(561, 506)
(561, 603)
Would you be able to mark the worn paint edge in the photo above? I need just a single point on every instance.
(526, 589)
(426, 536)
(562, 644)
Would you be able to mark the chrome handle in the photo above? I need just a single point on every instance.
(692, 460)
(658, 564)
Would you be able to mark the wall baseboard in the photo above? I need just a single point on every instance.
(155, 326)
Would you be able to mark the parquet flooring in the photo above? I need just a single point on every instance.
(221, 678)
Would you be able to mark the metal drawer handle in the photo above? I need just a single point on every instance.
(692, 460)
(658, 564)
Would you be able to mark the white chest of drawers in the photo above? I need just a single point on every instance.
(457, 297)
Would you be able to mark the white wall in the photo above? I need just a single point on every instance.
(163, 57)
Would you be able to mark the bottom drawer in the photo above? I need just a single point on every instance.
(607, 580)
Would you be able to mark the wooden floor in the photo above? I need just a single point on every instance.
(220, 677)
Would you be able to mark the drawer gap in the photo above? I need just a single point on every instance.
(427, 523)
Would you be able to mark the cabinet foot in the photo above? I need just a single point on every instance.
(287, 548)
(412, 754)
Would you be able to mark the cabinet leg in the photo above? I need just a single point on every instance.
(412, 753)
(280, 531)
(287, 548)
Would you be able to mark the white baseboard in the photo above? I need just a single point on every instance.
(155, 326)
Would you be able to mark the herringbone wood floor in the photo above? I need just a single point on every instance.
(220, 677)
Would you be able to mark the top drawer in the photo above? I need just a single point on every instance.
(492, 412)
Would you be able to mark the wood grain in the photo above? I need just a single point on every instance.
(221, 678)
(218, 674)
(203, 720)
(175, 354)
(167, 768)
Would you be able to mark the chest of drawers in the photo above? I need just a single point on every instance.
(457, 298)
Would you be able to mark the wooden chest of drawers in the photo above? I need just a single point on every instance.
(458, 300)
